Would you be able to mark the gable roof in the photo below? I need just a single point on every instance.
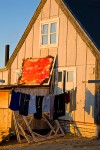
(87, 13)
(64, 5)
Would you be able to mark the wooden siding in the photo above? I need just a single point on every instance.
(90, 57)
(14, 67)
(29, 47)
(5, 113)
(21, 56)
(4, 99)
(71, 45)
(4, 76)
(53, 9)
(36, 39)
(53, 51)
(97, 70)
(5, 119)
(80, 96)
(46, 10)
(62, 41)
(81, 52)
(44, 52)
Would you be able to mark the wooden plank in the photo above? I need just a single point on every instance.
(23, 132)
(56, 129)
(45, 10)
(16, 128)
(4, 99)
(30, 130)
(63, 41)
(5, 118)
(59, 128)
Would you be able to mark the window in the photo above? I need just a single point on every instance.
(59, 76)
(65, 79)
(70, 76)
(53, 30)
(49, 32)
(44, 34)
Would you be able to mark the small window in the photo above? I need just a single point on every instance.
(59, 76)
(53, 30)
(70, 76)
(49, 32)
(45, 34)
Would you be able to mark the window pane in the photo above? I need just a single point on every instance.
(53, 38)
(59, 76)
(70, 76)
(44, 39)
(45, 29)
(53, 27)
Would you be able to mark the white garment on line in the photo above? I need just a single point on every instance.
(32, 105)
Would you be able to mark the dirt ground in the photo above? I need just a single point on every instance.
(68, 142)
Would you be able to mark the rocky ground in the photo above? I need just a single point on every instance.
(68, 142)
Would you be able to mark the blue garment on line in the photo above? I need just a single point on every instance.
(14, 103)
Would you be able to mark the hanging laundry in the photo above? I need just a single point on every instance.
(14, 103)
(24, 104)
(46, 104)
(52, 97)
(32, 105)
(61, 101)
(27, 104)
(38, 114)
(59, 106)
(67, 97)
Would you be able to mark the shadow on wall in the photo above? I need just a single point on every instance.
(89, 102)
(73, 99)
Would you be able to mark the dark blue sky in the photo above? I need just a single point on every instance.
(87, 13)
(14, 18)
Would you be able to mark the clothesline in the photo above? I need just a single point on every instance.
(28, 104)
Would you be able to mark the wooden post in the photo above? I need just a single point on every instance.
(16, 128)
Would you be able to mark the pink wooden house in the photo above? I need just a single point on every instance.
(66, 30)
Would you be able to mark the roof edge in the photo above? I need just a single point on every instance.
(3, 69)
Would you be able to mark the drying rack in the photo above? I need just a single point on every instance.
(31, 137)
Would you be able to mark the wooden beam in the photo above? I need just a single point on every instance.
(94, 81)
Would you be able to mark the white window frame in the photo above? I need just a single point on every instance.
(67, 69)
(56, 20)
